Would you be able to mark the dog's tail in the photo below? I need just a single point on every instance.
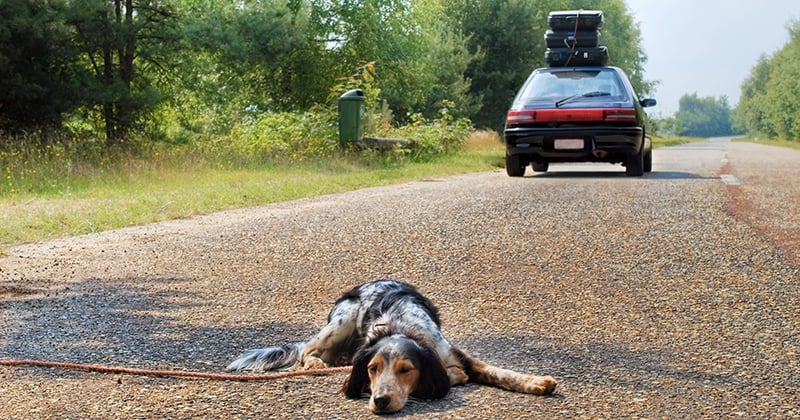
(270, 358)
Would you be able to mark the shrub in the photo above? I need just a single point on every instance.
(431, 138)
(279, 136)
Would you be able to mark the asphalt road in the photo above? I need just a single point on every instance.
(673, 295)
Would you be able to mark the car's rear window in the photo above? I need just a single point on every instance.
(558, 85)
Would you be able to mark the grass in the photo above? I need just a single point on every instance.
(163, 187)
(772, 142)
(666, 141)
(138, 192)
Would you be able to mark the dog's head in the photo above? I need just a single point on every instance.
(393, 367)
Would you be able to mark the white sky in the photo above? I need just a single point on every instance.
(707, 47)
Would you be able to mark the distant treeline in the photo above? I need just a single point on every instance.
(700, 117)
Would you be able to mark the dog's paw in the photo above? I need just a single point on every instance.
(543, 385)
(310, 363)
(457, 375)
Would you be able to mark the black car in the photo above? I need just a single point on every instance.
(577, 114)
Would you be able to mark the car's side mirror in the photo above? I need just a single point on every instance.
(648, 102)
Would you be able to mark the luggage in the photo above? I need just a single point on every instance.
(579, 56)
(573, 39)
(569, 39)
(591, 20)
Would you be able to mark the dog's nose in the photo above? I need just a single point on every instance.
(381, 402)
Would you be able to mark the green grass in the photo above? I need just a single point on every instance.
(163, 187)
(666, 141)
(138, 193)
(772, 142)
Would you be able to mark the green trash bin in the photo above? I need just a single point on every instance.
(351, 116)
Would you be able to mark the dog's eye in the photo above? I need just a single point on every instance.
(405, 369)
(372, 369)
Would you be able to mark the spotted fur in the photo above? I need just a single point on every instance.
(391, 335)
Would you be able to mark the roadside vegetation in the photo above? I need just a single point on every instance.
(54, 196)
(54, 193)
(771, 142)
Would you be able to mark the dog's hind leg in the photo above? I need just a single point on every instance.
(334, 343)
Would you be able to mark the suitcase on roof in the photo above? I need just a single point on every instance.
(562, 57)
(566, 20)
(569, 39)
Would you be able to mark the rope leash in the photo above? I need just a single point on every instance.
(574, 39)
(172, 373)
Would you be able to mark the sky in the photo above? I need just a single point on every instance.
(707, 47)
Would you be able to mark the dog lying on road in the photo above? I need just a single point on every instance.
(390, 333)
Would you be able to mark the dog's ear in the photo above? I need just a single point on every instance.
(433, 380)
(357, 383)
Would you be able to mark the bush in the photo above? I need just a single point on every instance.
(281, 136)
(70, 162)
(430, 138)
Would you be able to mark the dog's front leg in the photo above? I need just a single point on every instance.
(484, 373)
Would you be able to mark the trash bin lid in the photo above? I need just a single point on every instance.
(352, 95)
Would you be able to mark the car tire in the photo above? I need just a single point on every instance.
(540, 166)
(514, 166)
(635, 164)
(648, 161)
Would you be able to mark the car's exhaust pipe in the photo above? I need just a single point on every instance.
(600, 154)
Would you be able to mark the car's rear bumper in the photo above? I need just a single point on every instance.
(600, 143)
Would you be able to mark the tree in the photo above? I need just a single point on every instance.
(704, 117)
(750, 114)
(39, 76)
(419, 55)
(248, 55)
(119, 40)
(507, 38)
(782, 101)
(622, 36)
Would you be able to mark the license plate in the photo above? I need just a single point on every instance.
(568, 144)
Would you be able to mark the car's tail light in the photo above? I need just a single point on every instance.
(520, 117)
(620, 115)
(573, 115)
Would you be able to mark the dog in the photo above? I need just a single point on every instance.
(391, 335)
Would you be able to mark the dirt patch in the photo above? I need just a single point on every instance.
(766, 203)
(14, 291)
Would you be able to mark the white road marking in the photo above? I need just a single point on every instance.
(729, 179)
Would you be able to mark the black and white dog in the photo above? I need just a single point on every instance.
(390, 333)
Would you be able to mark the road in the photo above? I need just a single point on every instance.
(673, 295)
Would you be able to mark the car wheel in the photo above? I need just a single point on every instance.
(540, 166)
(635, 164)
(514, 166)
(648, 161)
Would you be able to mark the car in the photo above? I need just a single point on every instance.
(577, 114)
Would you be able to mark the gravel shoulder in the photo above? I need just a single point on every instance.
(671, 295)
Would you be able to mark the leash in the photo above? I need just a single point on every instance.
(172, 373)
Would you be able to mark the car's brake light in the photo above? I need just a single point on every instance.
(626, 115)
(574, 115)
(520, 117)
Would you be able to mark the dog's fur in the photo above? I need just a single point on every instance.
(390, 333)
